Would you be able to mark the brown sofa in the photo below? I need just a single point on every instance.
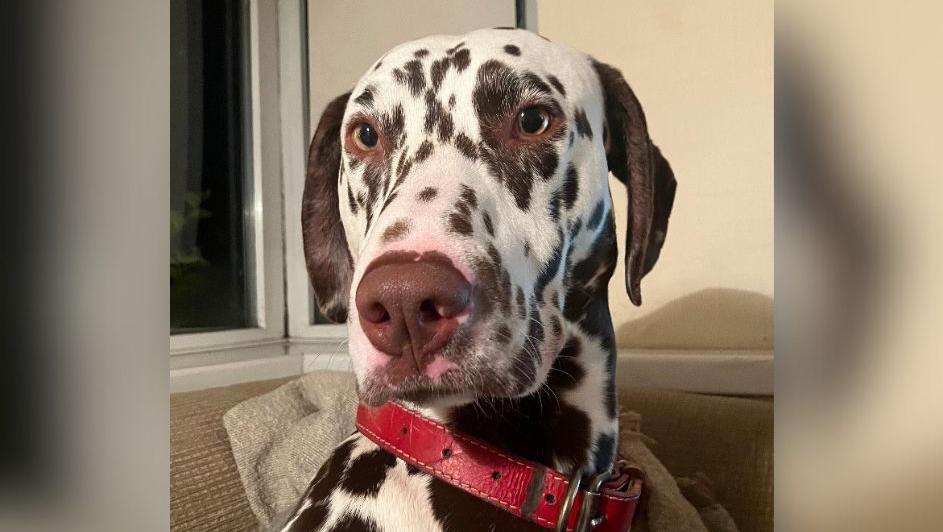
(727, 439)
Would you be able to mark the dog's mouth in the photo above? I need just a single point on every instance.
(456, 376)
(418, 389)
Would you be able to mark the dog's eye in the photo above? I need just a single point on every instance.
(533, 121)
(366, 137)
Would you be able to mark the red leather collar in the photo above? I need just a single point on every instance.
(526, 489)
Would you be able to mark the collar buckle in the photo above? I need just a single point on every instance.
(587, 520)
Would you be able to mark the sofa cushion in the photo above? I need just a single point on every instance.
(205, 490)
(727, 439)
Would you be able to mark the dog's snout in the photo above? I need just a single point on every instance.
(411, 307)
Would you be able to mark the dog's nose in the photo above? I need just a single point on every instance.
(410, 307)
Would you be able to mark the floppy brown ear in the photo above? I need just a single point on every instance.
(327, 257)
(638, 163)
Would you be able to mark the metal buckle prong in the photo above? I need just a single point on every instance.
(568, 500)
(587, 520)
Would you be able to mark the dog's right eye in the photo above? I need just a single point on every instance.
(366, 137)
(533, 121)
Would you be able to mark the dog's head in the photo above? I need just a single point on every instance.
(457, 212)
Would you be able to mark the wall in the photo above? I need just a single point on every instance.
(703, 72)
(345, 37)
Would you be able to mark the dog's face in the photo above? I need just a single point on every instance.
(449, 196)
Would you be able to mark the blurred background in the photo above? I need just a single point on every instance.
(97, 117)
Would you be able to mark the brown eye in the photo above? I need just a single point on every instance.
(533, 121)
(366, 137)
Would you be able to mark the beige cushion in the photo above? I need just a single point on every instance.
(280, 439)
(728, 439)
(205, 490)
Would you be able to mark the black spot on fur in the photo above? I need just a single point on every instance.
(497, 95)
(462, 58)
(521, 303)
(466, 146)
(553, 206)
(438, 119)
(367, 472)
(403, 168)
(468, 196)
(412, 76)
(460, 511)
(389, 199)
(312, 517)
(551, 268)
(438, 70)
(378, 65)
(571, 187)
(460, 224)
(511, 49)
(605, 452)
(366, 97)
(527, 249)
(556, 84)
(396, 231)
(596, 216)
(420, 53)
(582, 124)
(372, 178)
(351, 202)
(394, 124)
(502, 334)
(460, 221)
(495, 282)
(427, 194)
(424, 151)
(567, 372)
(535, 83)
(354, 523)
(556, 328)
(489, 226)
(451, 101)
(321, 487)
(587, 285)
(574, 423)
(535, 333)
(455, 48)
(610, 392)
(413, 470)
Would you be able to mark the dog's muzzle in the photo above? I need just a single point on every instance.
(409, 305)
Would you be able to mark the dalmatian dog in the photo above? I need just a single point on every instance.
(457, 216)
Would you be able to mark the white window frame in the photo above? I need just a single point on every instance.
(296, 133)
(264, 209)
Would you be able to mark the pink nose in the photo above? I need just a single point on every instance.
(408, 305)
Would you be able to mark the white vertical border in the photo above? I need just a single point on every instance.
(265, 210)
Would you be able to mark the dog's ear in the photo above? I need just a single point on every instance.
(638, 163)
(327, 257)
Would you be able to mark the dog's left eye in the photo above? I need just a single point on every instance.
(533, 121)
(366, 137)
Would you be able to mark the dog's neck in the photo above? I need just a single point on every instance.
(571, 421)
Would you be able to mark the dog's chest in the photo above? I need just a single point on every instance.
(364, 488)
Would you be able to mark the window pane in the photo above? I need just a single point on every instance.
(211, 281)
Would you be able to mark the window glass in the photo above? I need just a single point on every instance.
(211, 281)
